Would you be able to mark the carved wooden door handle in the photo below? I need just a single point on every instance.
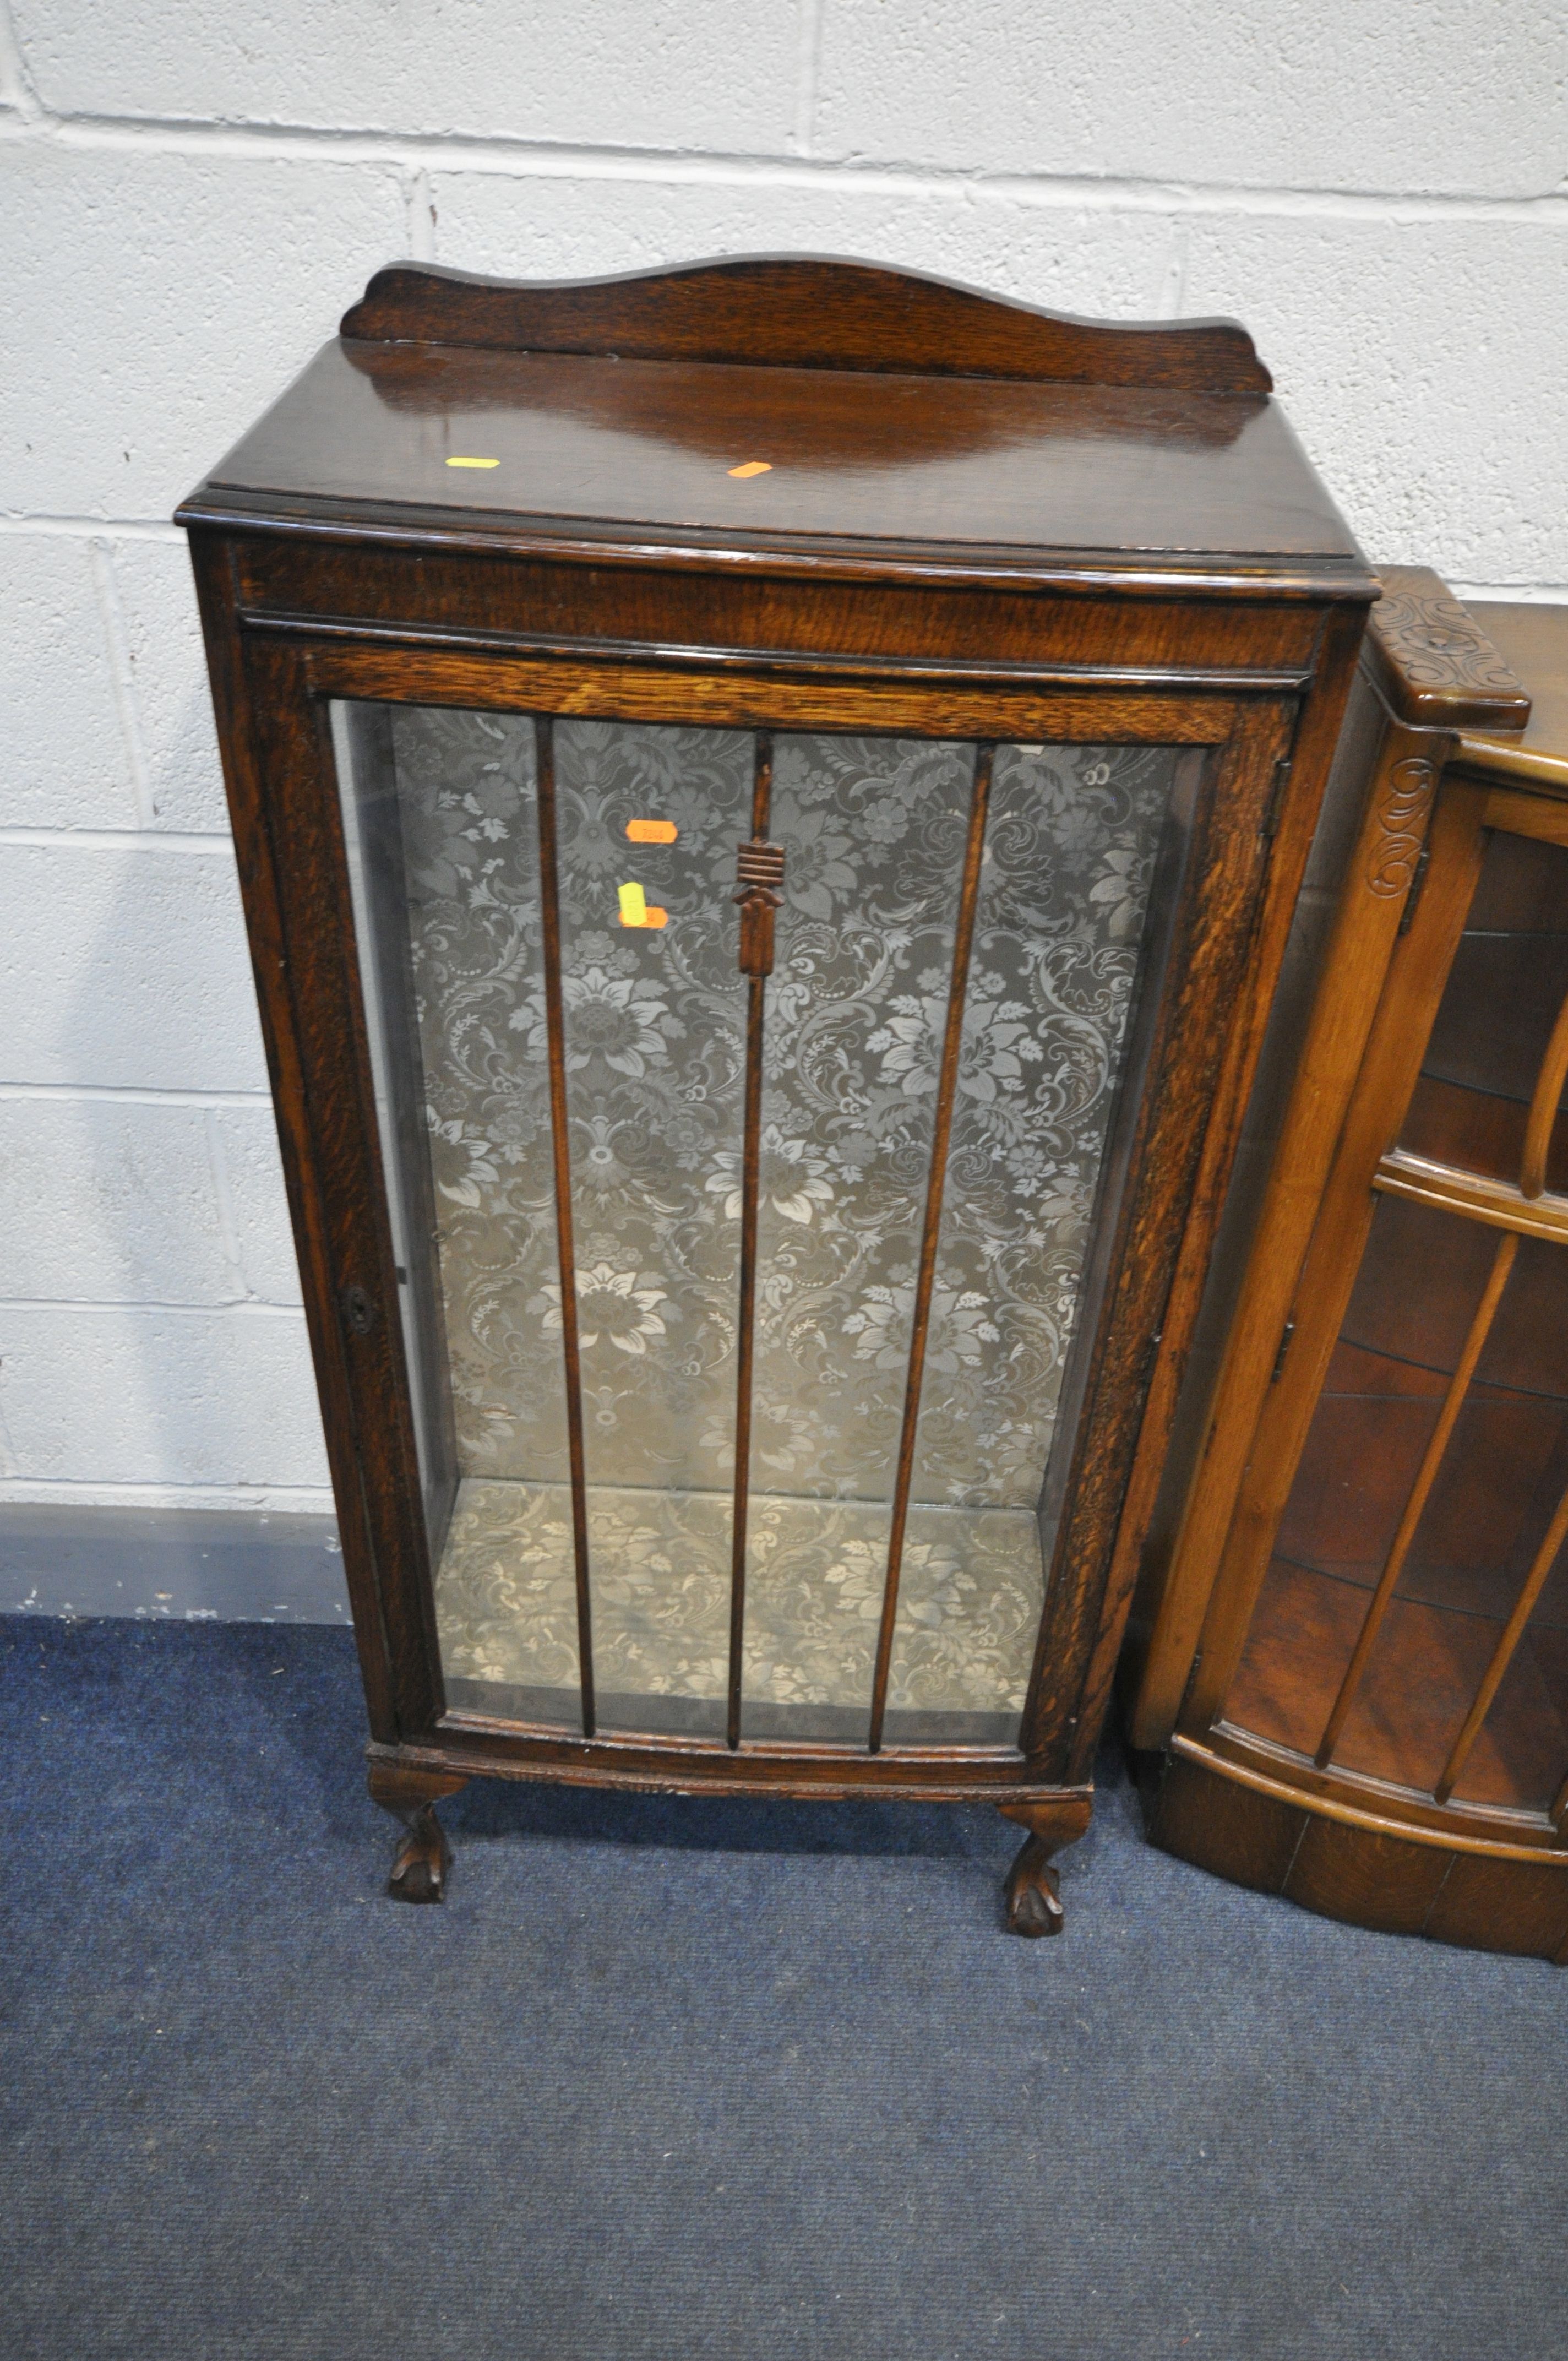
(759, 874)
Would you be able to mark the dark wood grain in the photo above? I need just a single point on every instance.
(1032, 1897)
(758, 901)
(975, 523)
(1008, 472)
(424, 1858)
(1249, 1827)
(566, 1246)
(801, 310)
(1248, 1316)
(808, 616)
(1146, 1202)
(1496, 1906)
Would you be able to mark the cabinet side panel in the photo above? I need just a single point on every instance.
(212, 558)
(1305, 955)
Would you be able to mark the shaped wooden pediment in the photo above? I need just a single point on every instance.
(800, 312)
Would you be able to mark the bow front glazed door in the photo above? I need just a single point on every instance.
(743, 1099)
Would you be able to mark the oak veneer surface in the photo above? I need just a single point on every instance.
(848, 454)
(1534, 640)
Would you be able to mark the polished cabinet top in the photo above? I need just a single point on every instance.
(1192, 465)
(1534, 640)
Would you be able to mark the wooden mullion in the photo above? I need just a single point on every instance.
(930, 1232)
(756, 955)
(1543, 1108)
(1503, 1655)
(555, 1038)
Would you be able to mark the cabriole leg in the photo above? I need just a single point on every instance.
(419, 1871)
(1033, 1902)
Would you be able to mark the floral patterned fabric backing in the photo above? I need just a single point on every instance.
(970, 1603)
(873, 831)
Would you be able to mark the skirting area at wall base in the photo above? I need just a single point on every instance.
(186, 1565)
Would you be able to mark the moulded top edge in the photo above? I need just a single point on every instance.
(565, 540)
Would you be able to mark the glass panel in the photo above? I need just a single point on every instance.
(460, 790)
(1070, 854)
(655, 1025)
(1507, 981)
(373, 838)
(1422, 1277)
(1504, 1469)
(442, 812)
(873, 830)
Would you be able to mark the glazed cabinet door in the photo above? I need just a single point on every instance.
(749, 1156)
(1393, 1605)
(743, 1100)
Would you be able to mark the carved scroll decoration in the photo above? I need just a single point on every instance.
(1403, 804)
(1437, 644)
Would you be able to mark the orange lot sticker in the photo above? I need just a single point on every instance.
(754, 467)
(637, 912)
(652, 831)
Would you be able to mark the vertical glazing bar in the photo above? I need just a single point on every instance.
(1502, 1655)
(1426, 1477)
(920, 1323)
(554, 1024)
(758, 903)
(1543, 1108)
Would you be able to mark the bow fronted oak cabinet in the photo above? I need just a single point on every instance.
(1352, 1655)
(769, 799)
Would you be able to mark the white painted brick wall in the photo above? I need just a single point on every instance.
(189, 205)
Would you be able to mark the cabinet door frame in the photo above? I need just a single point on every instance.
(273, 685)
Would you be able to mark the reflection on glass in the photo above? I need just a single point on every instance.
(1070, 853)
(653, 1009)
(873, 830)
(655, 1020)
(1507, 981)
(1501, 1473)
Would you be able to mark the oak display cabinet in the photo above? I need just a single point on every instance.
(1352, 1657)
(769, 798)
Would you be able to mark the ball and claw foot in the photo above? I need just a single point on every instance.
(419, 1872)
(1033, 1902)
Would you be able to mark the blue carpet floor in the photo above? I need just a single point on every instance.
(670, 2079)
